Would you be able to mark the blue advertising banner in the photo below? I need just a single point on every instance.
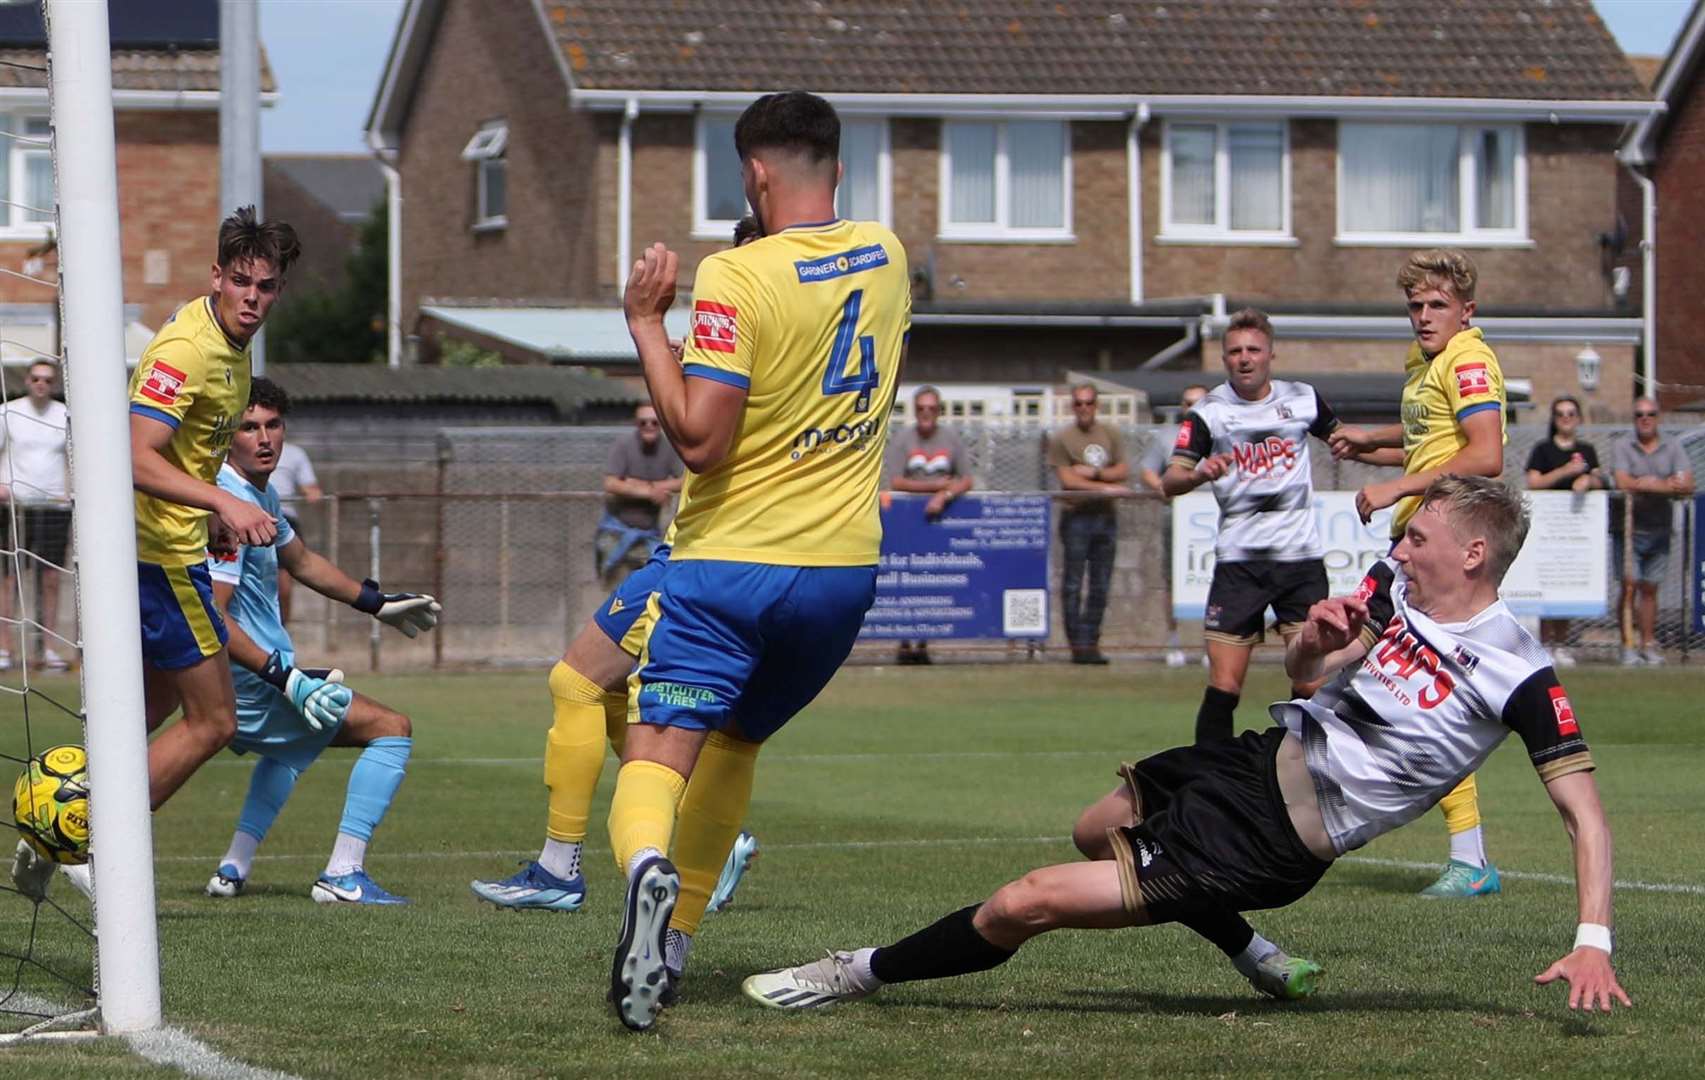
(978, 571)
(1699, 564)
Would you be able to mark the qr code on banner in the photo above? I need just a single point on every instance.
(1024, 612)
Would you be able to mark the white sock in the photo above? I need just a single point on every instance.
(561, 857)
(241, 853)
(1258, 949)
(1469, 846)
(861, 969)
(640, 856)
(676, 945)
(347, 855)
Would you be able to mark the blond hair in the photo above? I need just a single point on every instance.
(1439, 268)
(1479, 506)
(1250, 319)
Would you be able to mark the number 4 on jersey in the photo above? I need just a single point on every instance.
(863, 380)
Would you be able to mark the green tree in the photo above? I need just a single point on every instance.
(344, 327)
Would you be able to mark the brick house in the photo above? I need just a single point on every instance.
(327, 198)
(165, 56)
(1664, 153)
(1079, 190)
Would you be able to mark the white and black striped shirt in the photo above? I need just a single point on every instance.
(1391, 735)
(1267, 499)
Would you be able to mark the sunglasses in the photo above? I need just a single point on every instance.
(646, 423)
(928, 408)
(1569, 414)
(1083, 404)
(1645, 416)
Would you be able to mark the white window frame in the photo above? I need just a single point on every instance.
(998, 231)
(19, 148)
(1468, 197)
(1221, 232)
(709, 228)
(487, 150)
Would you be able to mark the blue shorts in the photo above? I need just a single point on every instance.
(181, 627)
(745, 643)
(268, 725)
(1651, 555)
(624, 608)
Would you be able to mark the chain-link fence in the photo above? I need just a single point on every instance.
(501, 525)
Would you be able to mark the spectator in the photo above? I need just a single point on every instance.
(640, 475)
(1155, 456)
(1653, 471)
(1562, 463)
(296, 484)
(927, 460)
(1088, 456)
(32, 478)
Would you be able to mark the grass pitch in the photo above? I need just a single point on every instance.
(899, 796)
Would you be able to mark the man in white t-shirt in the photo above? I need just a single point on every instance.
(295, 482)
(33, 479)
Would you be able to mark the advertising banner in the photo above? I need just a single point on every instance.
(978, 571)
(1561, 572)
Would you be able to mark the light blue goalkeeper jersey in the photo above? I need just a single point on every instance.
(254, 571)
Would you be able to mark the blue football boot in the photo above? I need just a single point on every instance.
(533, 887)
(351, 888)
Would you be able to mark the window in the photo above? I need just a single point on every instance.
(1422, 183)
(719, 198)
(491, 175)
(1225, 182)
(26, 175)
(1007, 180)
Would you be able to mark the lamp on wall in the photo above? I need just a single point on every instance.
(1588, 363)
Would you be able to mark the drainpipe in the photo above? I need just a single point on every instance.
(1134, 200)
(386, 156)
(624, 196)
(1648, 281)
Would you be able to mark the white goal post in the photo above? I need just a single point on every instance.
(92, 313)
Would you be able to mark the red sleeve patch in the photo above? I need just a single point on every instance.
(1473, 379)
(162, 384)
(715, 326)
(1565, 712)
(1183, 440)
(1364, 591)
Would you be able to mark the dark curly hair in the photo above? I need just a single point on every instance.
(268, 395)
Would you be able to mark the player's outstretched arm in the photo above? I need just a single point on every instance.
(409, 613)
(700, 416)
(1587, 969)
(1180, 479)
(1349, 441)
(1482, 456)
(153, 475)
(1330, 638)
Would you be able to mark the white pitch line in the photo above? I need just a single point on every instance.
(1535, 875)
(1682, 888)
(163, 1046)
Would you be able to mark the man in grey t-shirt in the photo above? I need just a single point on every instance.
(640, 475)
(927, 459)
(1654, 471)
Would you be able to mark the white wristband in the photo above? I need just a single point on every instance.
(1593, 934)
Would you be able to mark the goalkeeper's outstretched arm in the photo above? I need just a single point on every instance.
(409, 613)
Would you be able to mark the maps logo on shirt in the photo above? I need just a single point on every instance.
(1565, 712)
(1473, 379)
(162, 384)
(714, 326)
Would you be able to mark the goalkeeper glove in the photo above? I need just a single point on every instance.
(317, 693)
(408, 612)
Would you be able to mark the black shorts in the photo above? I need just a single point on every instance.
(1242, 591)
(1212, 831)
(46, 531)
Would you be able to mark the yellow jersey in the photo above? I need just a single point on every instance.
(195, 380)
(810, 322)
(1438, 392)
